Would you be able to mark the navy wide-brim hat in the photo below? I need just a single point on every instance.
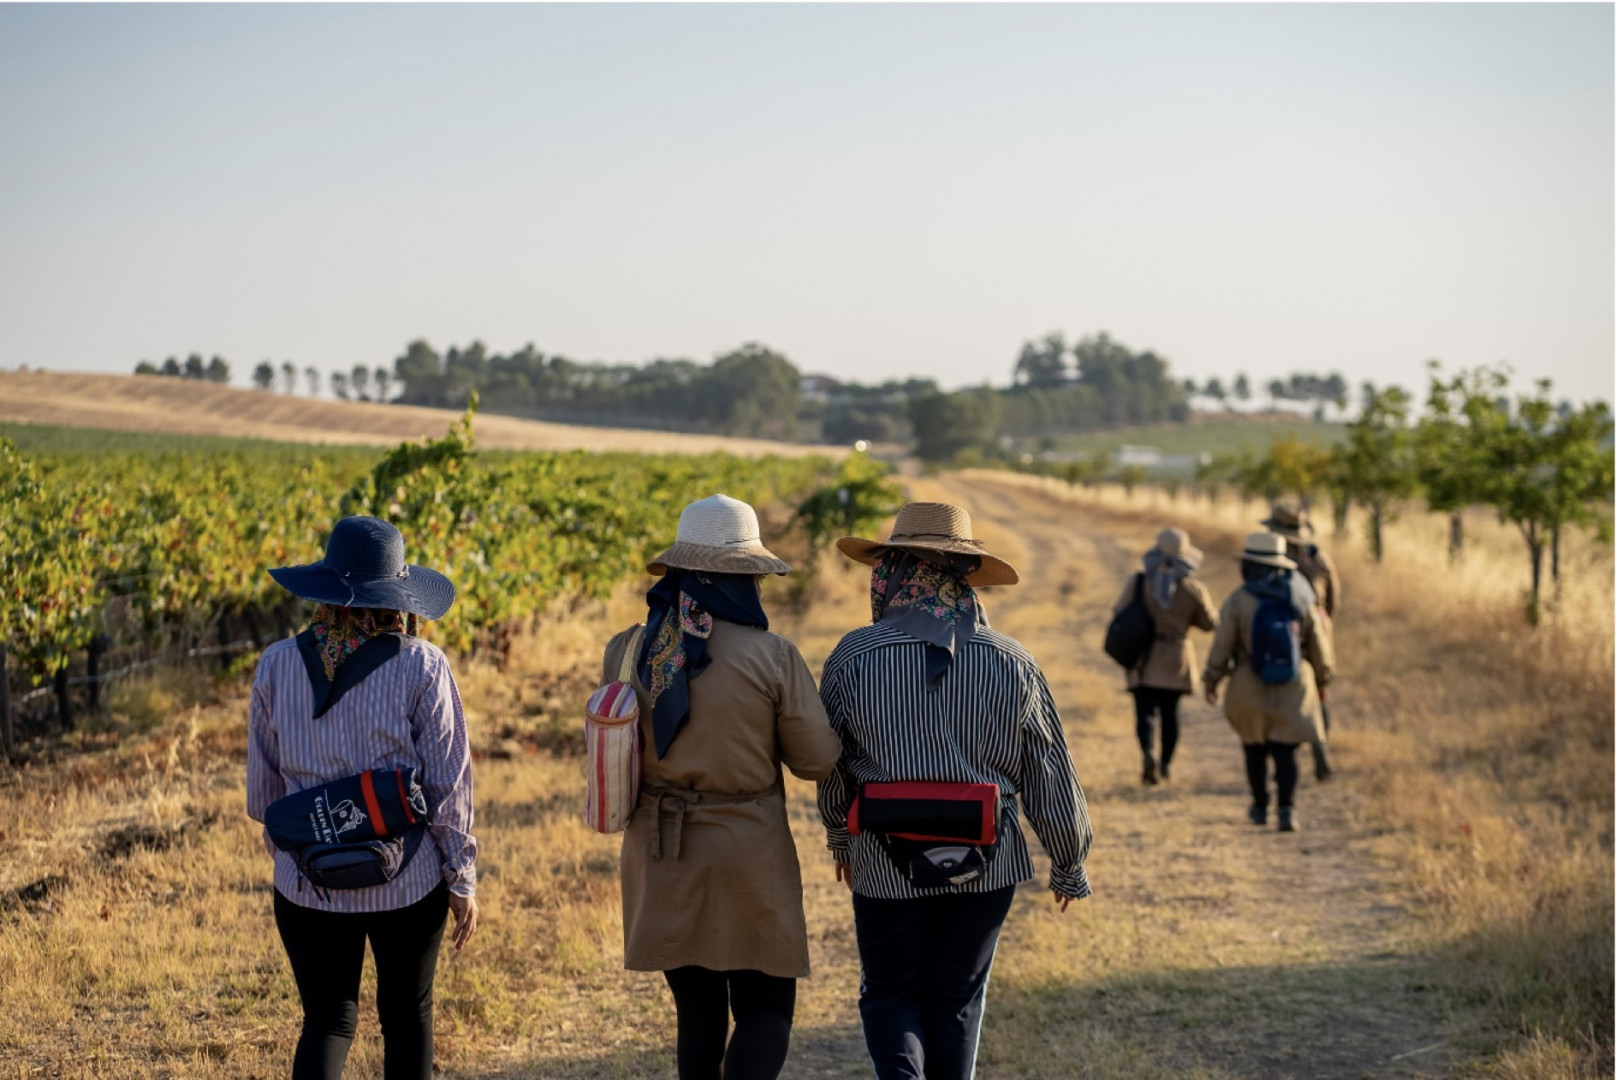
(364, 567)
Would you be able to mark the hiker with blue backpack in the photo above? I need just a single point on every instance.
(1314, 563)
(1273, 645)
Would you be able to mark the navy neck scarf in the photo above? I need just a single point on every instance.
(681, 609)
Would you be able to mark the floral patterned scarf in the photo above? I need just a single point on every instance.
(680, 612)
(928, 599)
(340, 631)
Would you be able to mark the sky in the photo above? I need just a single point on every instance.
(875, 191)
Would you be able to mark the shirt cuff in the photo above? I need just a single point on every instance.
(1071, 884)
(461, 882)
(840, 845)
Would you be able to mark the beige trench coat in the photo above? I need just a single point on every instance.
(708, 878)
(1171, 665)
(1260, 712)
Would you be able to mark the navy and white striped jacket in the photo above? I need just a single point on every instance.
(990, 719)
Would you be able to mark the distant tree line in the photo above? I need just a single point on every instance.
(194, 367)
(1542, 466)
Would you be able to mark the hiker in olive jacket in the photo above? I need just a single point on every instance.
(1176, 601)
(1271, 719)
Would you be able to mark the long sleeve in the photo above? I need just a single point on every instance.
(438, 726)
(1319, 645)
(264, 781)
(836, 789)
(808, 746)
(1221, 659)
(1204, 617)
(1051, 794)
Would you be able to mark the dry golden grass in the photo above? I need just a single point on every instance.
(1446, 908)
(187, 407)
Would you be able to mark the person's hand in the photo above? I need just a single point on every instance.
(1324, 694)
(844, 872)
(464, 909)
(1063, 902)
(1211, 694)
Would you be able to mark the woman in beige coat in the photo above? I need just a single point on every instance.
(1176, 602)
(712, 893)
(1272, 717)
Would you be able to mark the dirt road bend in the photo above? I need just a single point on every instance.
(1211, 948)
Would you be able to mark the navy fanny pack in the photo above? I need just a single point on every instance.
(351, 833)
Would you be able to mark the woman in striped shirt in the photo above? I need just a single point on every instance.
(929, 692)
(358, 691)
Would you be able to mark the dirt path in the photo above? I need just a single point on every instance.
(1211, 948)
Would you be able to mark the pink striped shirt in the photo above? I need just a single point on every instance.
(406, 713)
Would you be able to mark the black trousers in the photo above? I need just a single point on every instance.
(1284, 755)
(1148, 700)
(763, 1007)
(924, 986)
(327, 951)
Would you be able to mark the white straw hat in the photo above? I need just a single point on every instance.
(930, 526)
(1268, 549)
(720, 535)
(1175, 544)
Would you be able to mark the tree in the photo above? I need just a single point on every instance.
(755, 391)
(195, 368)
(384, 382)
(1449, 443)
(1242, 388)
(339, 385)
(288, 377)
(146, 367)
(1543, 471)
(1291, 467)
(218, 371)
(263, 375)
(1189, 388)
(1377, 461)
(1277, 392)
(1214, 390)
(311, 376)
(946, 424)
(359, 381)
(1042, 363)
(171, 367)
(420, 374)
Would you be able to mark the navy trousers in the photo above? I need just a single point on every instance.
(925, 980)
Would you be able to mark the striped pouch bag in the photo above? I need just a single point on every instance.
(612, 736)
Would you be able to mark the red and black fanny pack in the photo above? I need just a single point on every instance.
(936, 834)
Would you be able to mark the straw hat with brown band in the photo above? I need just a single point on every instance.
(931, 526)
(1267, 549)
(1288, 520)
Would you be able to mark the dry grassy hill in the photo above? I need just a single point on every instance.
(187, 407)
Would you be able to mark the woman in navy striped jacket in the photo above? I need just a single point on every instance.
(930, 692)
(358, 691)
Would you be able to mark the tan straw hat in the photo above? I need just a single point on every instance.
(1175, 544)
(931, 526)
(1268, 549)
(720, 535)
(1288, 519)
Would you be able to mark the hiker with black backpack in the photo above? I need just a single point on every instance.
(1274, 647)
(1167, 595)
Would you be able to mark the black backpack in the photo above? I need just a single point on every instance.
(1132, 631)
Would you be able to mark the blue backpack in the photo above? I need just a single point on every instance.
(1276, 641)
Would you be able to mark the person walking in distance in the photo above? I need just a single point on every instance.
(1273, 645)
(712, 892)
(949, 735)
(1291, 521)
(359, 691)
(1176, 602)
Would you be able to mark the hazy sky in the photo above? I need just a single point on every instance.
(876, 191)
